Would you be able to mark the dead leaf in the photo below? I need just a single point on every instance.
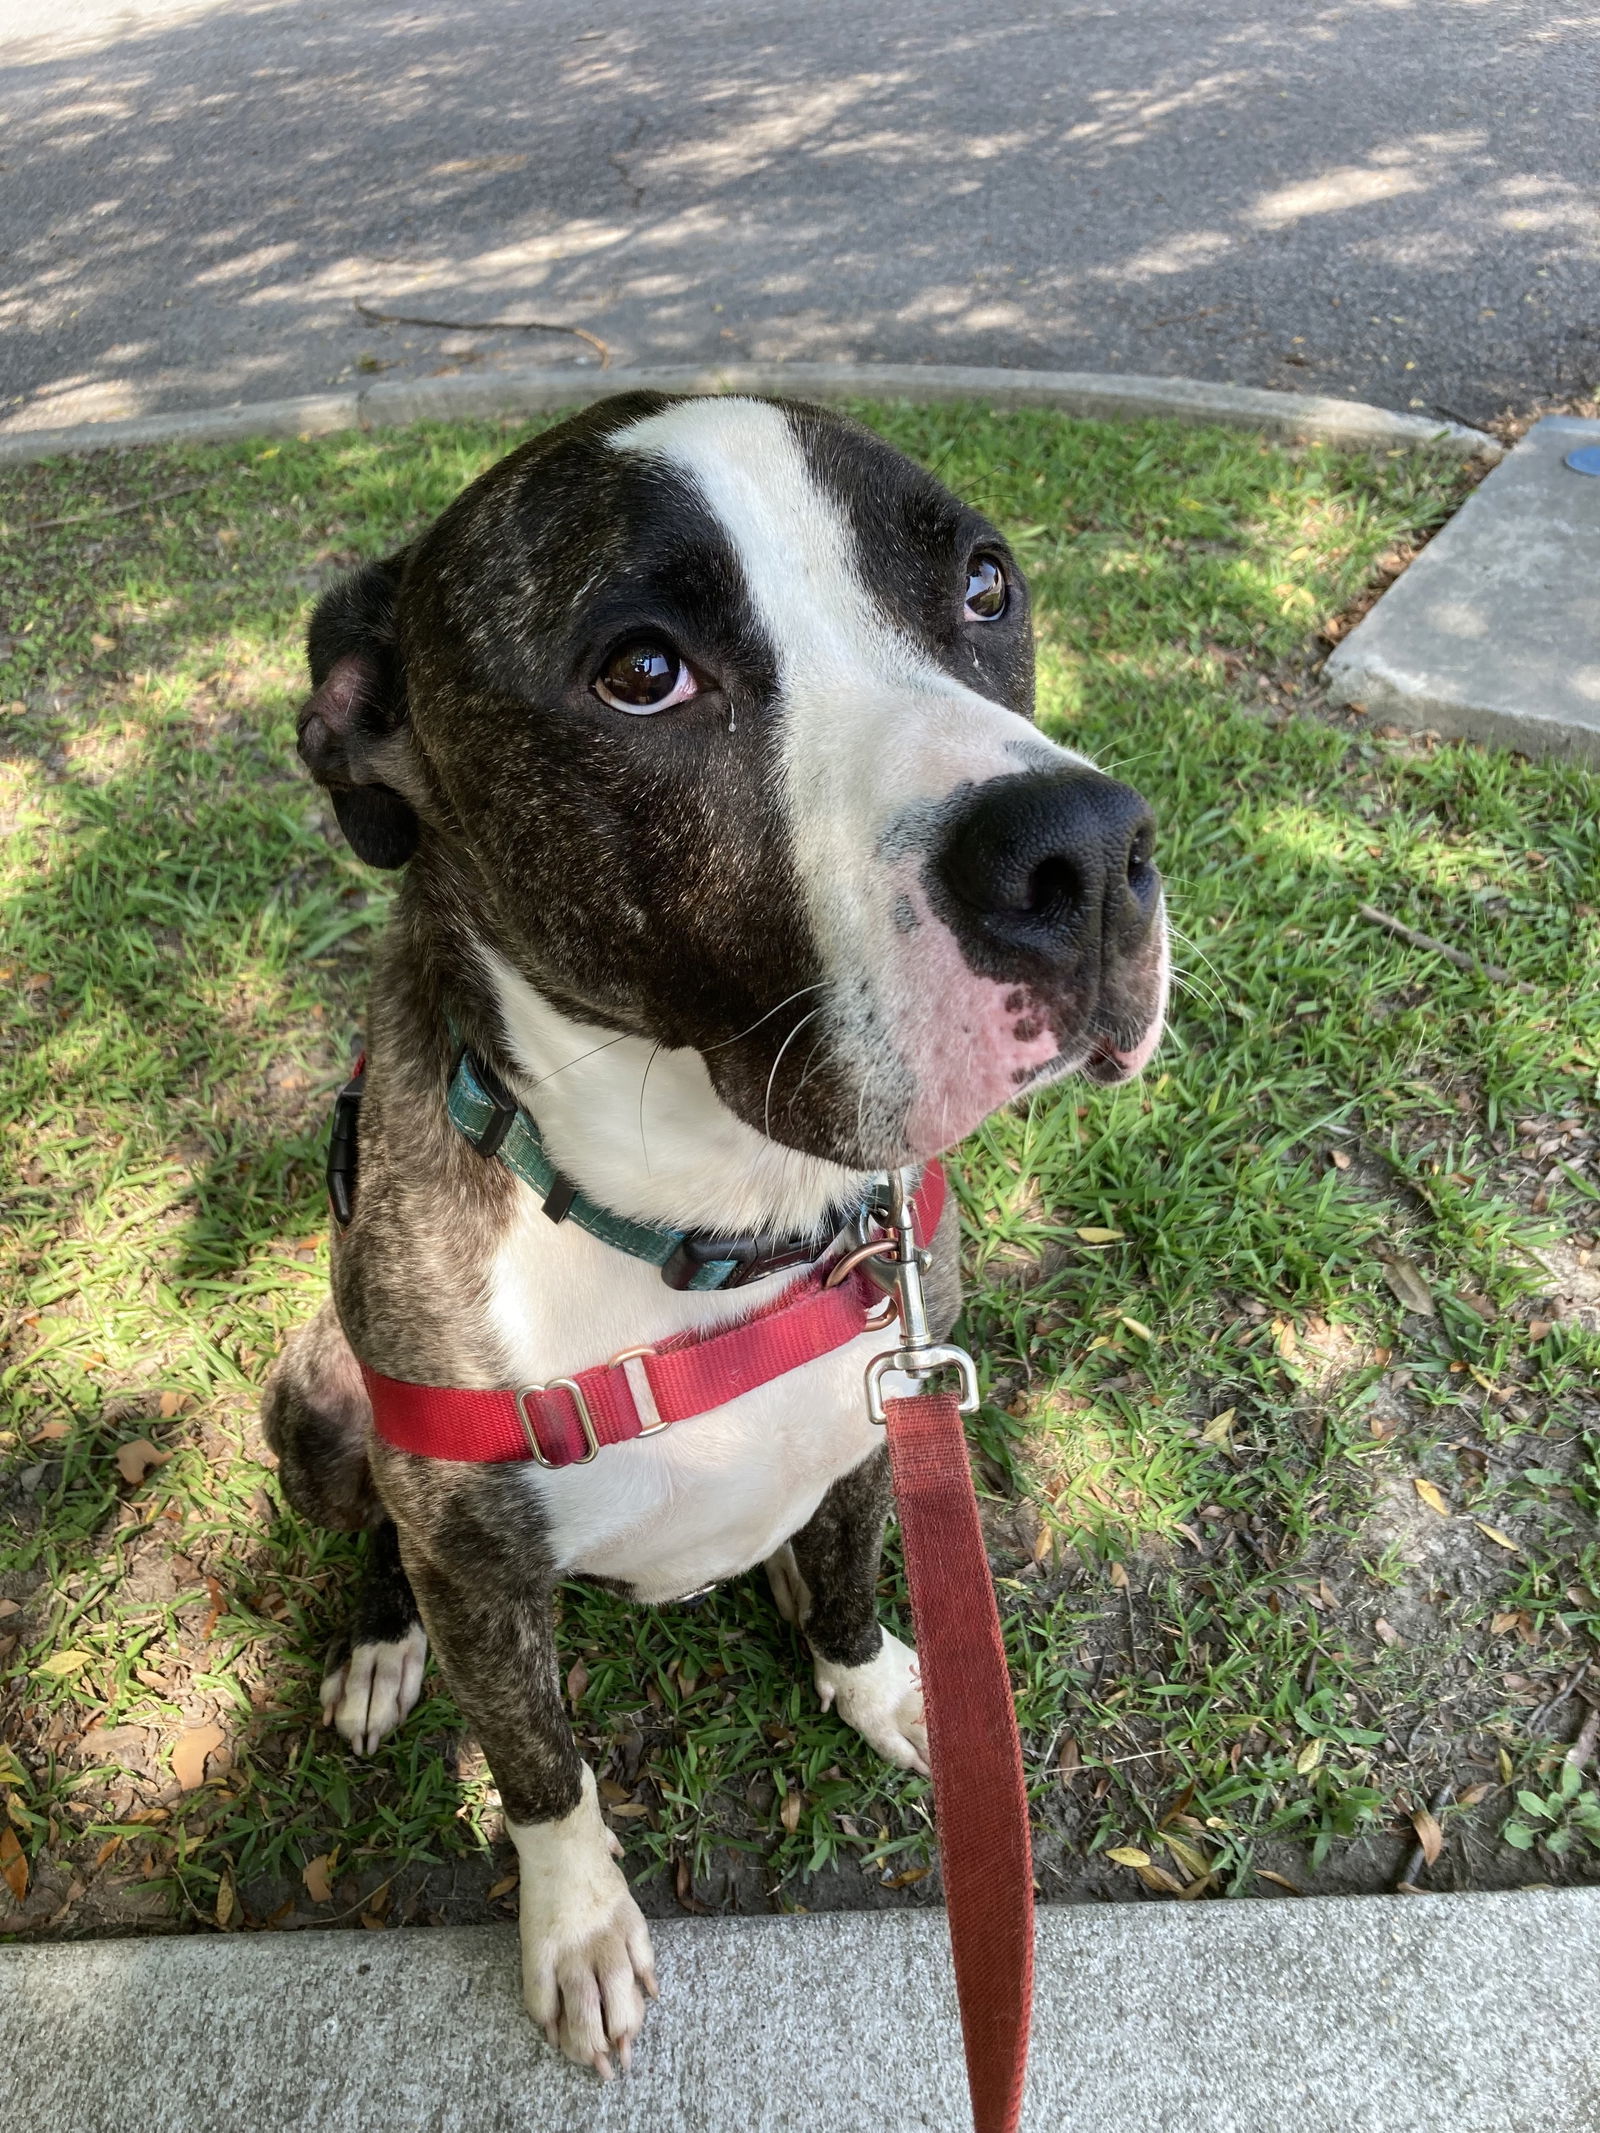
(59, 1663)
(908, 1879)
(1101, 1236)
(577, 1682)
(503, 1886)
(13, 1864)
(1157, 1878)
(372, 1922)
(789, 1812)
(108, 1850)
(214, 1613)
(1429, 1835)
(1540, 1329)
(1338, 1158)
(227, 1901)
(194, 1744)
(1410, 1289)
(1279, 1881)
(1219, 1430)
(1506, 1770)
(612, 1793)
(1069, 1762)
(1119, 1577)
(52, 1433)
(683, 1884)
(317, 1874)
(1385, 1634)
(1285, 1339)
(1430, 1496)
(1501, 1540)
(136, 1458)
(8, 1608)
(629, 1808)
(170, 1403)
(1044, 1542)
(1193, 1861)
(1308, 1758)
(1475, 1793)
(1135, 1325)
(1128, 1855)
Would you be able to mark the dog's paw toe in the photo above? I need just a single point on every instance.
(587, 1991)
(375, 1689)
(883, 1701)
(789, 1592)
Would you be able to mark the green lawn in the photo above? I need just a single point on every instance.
(1279, 1560)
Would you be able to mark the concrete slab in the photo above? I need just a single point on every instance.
(1494, 631)
(1442, 2014)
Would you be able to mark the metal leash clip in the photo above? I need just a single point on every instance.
(918, 1357)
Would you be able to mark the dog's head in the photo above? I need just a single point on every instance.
(717, 712)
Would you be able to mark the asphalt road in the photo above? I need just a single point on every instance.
(1397, 200)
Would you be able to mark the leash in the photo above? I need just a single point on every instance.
(980, 1795)
(974, 1752)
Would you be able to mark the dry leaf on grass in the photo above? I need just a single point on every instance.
(1157, 1878)
(59, 1663)
(1540, 1329)
(1219, 1430)
(1429, 1835)
(1308, 1758)
(13, 1864)
(1119, 1577)
(1128, 1855)
(503, 1886)
(227, 1901)
(1431, 1496)
(1410, 1289)
(9, 1608)
(1279, 1881)
(1385, 1633)
(189, 1754)
(1069, 1762)
(1101, 1236)
(169, 1404)
(1501, 1540)
(683, 1887)
(52, 1433)
(317, 1874)
(789, 1812)
(577, 1682)
(136, 1458)
(908, 1879)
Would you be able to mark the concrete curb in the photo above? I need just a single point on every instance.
(1289, 416)
(1368, 2014)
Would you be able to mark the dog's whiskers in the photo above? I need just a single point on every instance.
(644, 1146)
(723, 1042)
(766, 1109)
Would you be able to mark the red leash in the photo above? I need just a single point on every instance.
(979, 1794)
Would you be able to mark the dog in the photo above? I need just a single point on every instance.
(702, 731)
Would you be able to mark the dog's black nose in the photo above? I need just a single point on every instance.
(1054, 866)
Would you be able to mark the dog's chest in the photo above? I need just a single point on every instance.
(708, 1497)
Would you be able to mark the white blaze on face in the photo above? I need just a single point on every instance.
(872, 729)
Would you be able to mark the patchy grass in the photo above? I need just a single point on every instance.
(1280, 1558)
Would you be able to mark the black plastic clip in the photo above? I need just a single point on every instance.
(502, 1108)
(343, 1146)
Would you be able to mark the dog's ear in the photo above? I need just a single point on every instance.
(352, 727)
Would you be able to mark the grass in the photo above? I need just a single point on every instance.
(1279, 1559)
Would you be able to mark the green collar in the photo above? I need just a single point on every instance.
(485, 1111)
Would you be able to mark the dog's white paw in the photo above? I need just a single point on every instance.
(790, 1593)
(883, 1701)
(375, 1689)
(586, 1956)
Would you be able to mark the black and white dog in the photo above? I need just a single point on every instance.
(702, 730)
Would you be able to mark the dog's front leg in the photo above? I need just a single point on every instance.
(586, 1956)
(825, 1580)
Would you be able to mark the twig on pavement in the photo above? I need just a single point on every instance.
(486, 325)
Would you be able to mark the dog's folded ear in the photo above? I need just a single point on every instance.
(351, 729)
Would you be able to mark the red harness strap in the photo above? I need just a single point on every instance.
(644, 1390)
(980, 1796)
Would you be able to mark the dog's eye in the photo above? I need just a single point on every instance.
(645, 676)
(987, 592)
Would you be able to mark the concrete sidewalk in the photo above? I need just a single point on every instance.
(1442, 2014)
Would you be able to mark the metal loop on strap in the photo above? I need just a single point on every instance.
(585, 1421)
